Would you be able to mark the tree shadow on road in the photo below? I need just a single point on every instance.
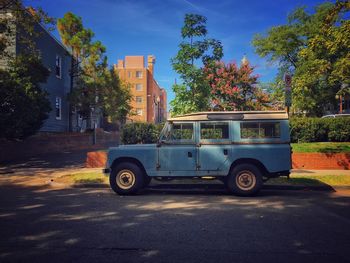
(42, 224)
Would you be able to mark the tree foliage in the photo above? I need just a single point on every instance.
(316, 49)
(195, 51)
(235, 88)
(19, 24)
(23, 104)
(96, 86)
(116, 98)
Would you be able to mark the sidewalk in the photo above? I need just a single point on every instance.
(320, 172)
(28, 174)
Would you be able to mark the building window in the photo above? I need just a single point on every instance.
(129, 74)
(139, 112)
(58, 108)
(138, 99)
(58, 66)
(255, 130)
(138, 87)
(139, 74)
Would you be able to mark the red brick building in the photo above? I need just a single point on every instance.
(149, 99)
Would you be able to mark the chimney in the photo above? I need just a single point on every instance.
(120, 63)
(151, 60)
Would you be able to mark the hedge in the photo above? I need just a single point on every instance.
(140, 132)
(320, 129)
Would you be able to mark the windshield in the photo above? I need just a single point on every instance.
(165, 133)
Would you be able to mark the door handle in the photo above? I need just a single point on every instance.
(189, 154)
(225, 152)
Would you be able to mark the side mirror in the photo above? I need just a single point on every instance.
(159, 143)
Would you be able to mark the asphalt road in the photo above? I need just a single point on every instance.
(183, 224)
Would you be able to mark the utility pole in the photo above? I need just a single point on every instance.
(288, 91)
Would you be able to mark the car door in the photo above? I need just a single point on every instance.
(177, 150)
(215, 147)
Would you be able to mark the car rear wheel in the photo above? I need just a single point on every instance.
(126, 179)
(244, 180)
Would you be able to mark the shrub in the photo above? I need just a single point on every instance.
(320, 130)
(339, 130)
(140, 133)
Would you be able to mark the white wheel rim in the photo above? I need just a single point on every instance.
(125, 179)
(245, 180)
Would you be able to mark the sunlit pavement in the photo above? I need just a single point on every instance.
(178, 224)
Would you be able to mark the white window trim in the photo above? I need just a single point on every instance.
(141, 99)
(60, 66)
(140, 86)
(139, 110)
(141, 74)
(59, 99)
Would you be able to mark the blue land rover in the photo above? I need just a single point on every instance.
(243, 149)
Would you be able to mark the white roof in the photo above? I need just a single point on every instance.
(232, 115)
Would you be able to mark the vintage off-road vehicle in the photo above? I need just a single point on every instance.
(243, 149)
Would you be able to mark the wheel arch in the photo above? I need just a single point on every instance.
(255, 162)
(129, 160)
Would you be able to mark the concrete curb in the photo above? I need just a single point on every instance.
(164, 187)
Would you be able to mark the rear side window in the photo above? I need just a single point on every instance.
(182, 131)
(256, 130)
(214, 130)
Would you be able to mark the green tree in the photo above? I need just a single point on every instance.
(324, 63)
(20, 27)
(195, 51)
(89, 65)
(315, 48)
(23, 104)
(116, 98)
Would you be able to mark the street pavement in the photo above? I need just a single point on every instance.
(41, 221)
(188, 223)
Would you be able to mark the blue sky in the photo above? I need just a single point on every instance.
(136, 27)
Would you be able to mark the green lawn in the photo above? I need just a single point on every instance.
(295, 179)
(321, 147)
(78, 178)
(312, 180)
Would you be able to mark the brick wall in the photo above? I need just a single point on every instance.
(312, 161)
(53, 143)
(321, 161)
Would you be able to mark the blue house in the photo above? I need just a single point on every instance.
(58, 60)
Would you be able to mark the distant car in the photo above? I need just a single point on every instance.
(343, 115)
(239, 148)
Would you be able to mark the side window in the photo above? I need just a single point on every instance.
(257, 130)
(214, 130)
(182, 131)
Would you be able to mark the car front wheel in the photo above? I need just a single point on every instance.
(244, 180)
(126, 179)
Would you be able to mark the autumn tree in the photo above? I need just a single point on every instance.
(235, 88)
(195, 52)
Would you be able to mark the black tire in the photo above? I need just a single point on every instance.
(126, 178)
(147, 180)
(244, 180)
